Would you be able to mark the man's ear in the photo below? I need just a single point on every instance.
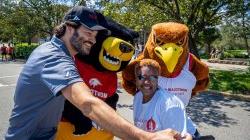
(70, 29)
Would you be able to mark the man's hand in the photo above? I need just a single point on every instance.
(167, 134)
(187, 136)
(170, 134)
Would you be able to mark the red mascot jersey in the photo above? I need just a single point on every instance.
(102, 84)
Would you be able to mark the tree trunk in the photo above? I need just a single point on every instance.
(29, 40)
(192, 46)
(244, 30)
(208, 49)
(244, 35)
(247, 46)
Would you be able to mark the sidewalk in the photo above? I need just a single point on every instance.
(226, 67)
(213, 66)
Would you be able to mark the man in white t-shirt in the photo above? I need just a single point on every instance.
(154, 109)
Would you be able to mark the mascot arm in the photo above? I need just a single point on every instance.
(201, 72)
(81, 123)
(128, 78)
(112, 100)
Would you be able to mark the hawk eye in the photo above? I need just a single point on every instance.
(159, 42)
(180, 42)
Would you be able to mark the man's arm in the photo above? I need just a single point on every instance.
(92, 107)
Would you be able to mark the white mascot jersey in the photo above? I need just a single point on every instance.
(181, 86)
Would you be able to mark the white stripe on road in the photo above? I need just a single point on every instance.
(1, 85)
(8, 76)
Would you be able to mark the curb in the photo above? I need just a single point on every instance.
(16, 60)
(233, 62)
(241, 97)
(21, 60)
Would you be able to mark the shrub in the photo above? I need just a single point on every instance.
(23, 50)
(236, 54)
(228, 55)
(204, 56)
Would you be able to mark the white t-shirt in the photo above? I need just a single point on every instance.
(181, 86)
(163, 111)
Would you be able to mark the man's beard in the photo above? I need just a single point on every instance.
(77, 43)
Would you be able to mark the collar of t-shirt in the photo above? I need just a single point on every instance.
(60, 44)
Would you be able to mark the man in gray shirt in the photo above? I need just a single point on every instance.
(49, 76)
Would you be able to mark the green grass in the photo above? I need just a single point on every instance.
(234, 81)
(236, 54)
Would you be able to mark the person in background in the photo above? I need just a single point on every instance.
(4, 53)
(11, 52)
(50, 76)
(154, 108)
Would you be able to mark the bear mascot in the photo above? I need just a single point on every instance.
(111, 54)
(182, 73)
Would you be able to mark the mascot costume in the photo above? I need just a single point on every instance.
(182, 73)
(109, 55)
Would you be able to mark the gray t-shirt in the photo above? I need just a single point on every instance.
(38, 100)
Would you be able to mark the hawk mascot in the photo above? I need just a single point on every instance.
(182, 73)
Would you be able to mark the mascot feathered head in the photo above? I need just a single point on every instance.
(168, 44)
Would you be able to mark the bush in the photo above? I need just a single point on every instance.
(236, 54)
(204, 56)
(228, 55)
(23, 50)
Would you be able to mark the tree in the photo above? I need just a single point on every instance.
(5, 13)
(239, 19)
(208, 36)
(197, 14)
(229, 39)
(50, 13)
(25, 19)
(131, 14)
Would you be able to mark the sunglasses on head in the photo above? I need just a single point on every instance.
(151, 77)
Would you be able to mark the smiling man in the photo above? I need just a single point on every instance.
(50, 75)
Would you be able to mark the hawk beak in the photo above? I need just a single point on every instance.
(169, 53)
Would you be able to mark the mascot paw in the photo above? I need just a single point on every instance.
(112, 100)
(79, 130)
(78, 133)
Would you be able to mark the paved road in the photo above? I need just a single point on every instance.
(222, 117)
(8, 77)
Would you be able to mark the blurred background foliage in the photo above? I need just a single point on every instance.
(222, 24)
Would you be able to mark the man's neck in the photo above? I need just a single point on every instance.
(69, 46)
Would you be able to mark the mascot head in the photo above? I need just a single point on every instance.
(168, 44)
(113, 50)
